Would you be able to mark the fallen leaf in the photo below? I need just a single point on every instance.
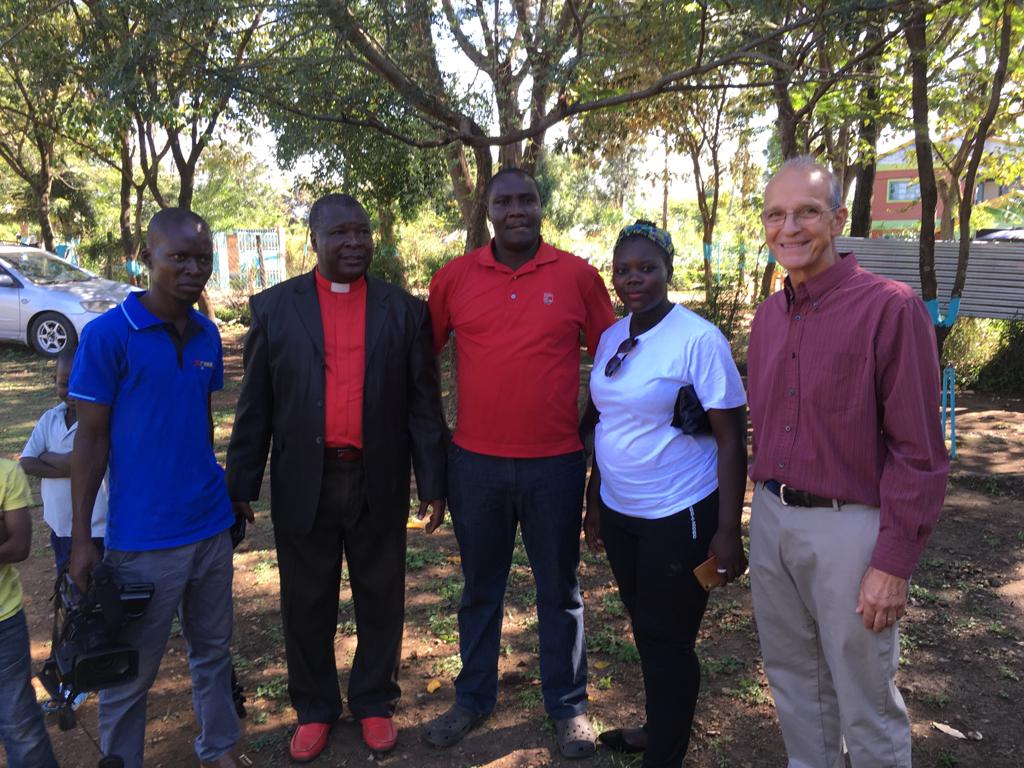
(601, 664)
(455, 559)
(415, 523)
(434, 686)
(974, 735)
(948, 730)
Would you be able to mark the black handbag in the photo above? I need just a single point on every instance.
(688, 414)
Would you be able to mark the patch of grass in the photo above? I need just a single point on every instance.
(606, 642)
(947, 759)
(923, 595)
(1008, 674)
(444, 625)
(265, 569)
(268, 740)
(611, 603)
(530, 697)
(751, 692)
(275, 688)
(519, 556)
(449, 666)
(907, 644)
(420, 558)
(937, 700)
(999, 629)
(603, 683)
(347, 628)
(723, 666)
(450, 590)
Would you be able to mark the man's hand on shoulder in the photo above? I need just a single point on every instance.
(436, 507)
(882, 599)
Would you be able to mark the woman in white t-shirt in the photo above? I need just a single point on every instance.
(661, 501)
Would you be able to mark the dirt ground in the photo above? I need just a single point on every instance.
(962, 642)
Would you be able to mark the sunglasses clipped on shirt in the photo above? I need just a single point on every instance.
(616, 360)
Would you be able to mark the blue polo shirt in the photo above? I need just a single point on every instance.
(166, 487)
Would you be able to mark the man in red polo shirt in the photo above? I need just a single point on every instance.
(517, 308)
(340, 374)
(849, 476)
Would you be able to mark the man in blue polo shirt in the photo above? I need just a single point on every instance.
(143, 377)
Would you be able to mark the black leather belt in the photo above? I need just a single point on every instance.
(791, 497)
(343, 453)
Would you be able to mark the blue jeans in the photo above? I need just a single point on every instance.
(489, 497)
(21, 720)
(196, 577)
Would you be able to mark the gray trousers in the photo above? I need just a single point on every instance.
(831, 678)
(198, 578)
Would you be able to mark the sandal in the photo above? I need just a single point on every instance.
(575, 737)
(449, 728)
(617, 740)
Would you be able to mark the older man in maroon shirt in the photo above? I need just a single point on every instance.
(850, 472)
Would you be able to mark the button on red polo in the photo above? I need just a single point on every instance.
(517, 337)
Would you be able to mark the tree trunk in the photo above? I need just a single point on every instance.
(860, 212)
(916, 42)
(949, 193)
(43, 193)
(124, 218)
(664, 186)
(187, 175)
(978, 150)
(477, 234)
(388, 235)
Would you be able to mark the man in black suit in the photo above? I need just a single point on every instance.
(340, 376)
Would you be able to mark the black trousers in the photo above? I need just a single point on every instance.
(653, 562)
(310, 570)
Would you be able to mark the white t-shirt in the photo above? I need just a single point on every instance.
(51, 434)
(649, 468)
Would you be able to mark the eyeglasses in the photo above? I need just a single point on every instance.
(615, 362)
(804, 215)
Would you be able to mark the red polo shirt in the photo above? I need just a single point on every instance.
(517, 336)
(343, 315)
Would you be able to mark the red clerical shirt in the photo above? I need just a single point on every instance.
(843, 381)
(343, 315)
(517, 335)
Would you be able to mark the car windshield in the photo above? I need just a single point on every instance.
(45, 269)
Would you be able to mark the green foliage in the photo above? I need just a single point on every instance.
(233, 190)
(987, 354)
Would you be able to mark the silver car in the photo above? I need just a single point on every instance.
(45, 301)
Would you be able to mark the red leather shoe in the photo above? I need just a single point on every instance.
(309, 741)
(379, 733)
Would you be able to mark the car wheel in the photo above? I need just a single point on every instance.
(50, 333)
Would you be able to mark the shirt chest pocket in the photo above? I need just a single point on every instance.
(834, 383)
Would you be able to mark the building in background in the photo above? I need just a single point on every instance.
(896, 198)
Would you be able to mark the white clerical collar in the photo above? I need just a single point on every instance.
(341, 287)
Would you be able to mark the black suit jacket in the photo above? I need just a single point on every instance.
(282, 402)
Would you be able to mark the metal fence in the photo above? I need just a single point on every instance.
(251, 259)
(995, 272)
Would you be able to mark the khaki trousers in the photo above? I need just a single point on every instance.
(831, 678)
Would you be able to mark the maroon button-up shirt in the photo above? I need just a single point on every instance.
(843, 381)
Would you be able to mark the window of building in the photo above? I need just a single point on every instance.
(903, 190)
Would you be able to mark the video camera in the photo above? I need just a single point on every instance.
(86, 653)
